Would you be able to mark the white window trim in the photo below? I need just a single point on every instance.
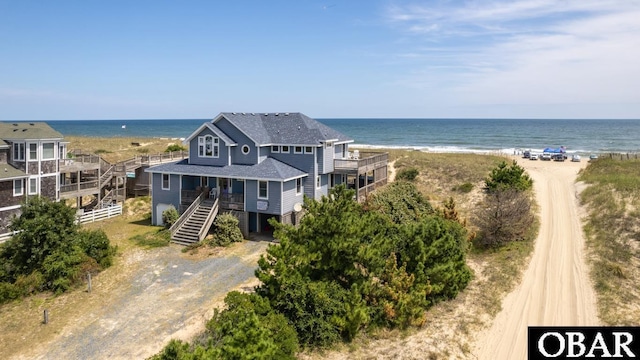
(21, 187)
(275, 149)
(310, 148)
(53, 156)
(295, 151)
(36, 152)
(299, 188)
(168, 182)
(20, 154)
(246, 147)
(282, 149)
(263, 197)
(35, 191)
(202, 146)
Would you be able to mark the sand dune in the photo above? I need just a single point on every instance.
(556, 289)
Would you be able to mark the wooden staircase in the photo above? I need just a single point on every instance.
(195, 222)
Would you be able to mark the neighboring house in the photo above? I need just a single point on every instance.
(29, 165)
(258, 166)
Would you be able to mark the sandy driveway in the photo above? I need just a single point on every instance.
(555, 289)
(168, 295)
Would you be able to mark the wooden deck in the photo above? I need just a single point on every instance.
(365, 173)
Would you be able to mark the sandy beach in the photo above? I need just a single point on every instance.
(556, 289)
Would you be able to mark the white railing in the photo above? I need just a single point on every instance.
(100, 214)
(7, 236)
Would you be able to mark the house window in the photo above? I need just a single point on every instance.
(263, 190)
(328, 144)
(208, 146)
(18, 151)
(33, 151)
(33, 186)
(297, 149)
(246, 149)
(165, 182)
(308, 150)
(275, 149)
(299, 186)
(285, 150)
(17, 187)
(48, 152)
(318, 182)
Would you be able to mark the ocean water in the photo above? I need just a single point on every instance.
(437, 135)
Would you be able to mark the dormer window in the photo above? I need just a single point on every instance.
(297, 149)
(275, 149)
(208, 146)
(308, 150)
(284, 150)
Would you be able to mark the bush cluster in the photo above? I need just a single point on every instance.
(170, 216)
(50, 251)
(345, 269)
(408, 174)
(226, 230)
(506, 214)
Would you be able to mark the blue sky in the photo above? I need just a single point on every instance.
(341, 58)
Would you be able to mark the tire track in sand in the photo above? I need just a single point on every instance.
(555, 289)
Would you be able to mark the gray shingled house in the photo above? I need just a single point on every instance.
(257, 166)
(29, 155)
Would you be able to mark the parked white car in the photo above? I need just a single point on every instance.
(533, 157)
(575, 158)
(593, 157)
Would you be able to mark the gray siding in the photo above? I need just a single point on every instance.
(171, 196)
(264, 153)
(324, 186)
(339, 151)
(289, 196)
(251, 197)
(6, 193)
(223, 158)
(328, 159)
(237, 157)
(320, 159)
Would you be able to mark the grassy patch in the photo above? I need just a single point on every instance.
(153, 239)
(613, 237)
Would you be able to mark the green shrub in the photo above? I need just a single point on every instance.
(408, 174)
(170, 216)
(175, 147)
(505, 177)
(464, 188)
(226, 230)
(49, 251)
(95, 244)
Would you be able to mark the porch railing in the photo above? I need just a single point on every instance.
(232, 201)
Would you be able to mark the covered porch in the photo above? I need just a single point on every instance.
(229, 191)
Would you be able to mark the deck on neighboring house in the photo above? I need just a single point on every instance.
(88, 174)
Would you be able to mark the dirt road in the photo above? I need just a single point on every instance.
(555, 289)
(168, 295)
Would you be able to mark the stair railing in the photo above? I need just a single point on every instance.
(207, 224)
(185, 215)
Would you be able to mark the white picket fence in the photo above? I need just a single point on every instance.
(87, 217)
(100, 214)
(6, 236)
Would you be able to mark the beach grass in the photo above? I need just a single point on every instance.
(114, 149)
(612, 234)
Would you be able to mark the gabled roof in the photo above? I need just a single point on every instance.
(282, 128)
(3, 144)
(27, 131)
(269, 169)
(227, 140)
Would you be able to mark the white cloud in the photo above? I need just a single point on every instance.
(524, 52)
